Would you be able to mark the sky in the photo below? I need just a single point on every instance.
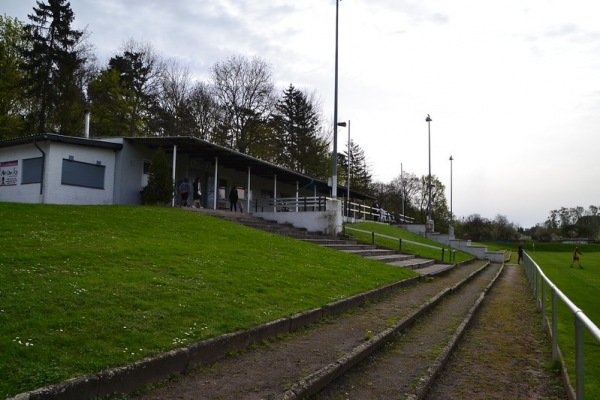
(512, 87)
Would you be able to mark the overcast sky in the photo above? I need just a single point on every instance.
(513, 86)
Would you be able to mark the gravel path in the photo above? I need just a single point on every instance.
(505, 354)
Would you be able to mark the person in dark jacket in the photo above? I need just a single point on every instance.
(233, 199)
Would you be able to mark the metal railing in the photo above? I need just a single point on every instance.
(290, 204)
(540, 284)
(451, 255)
(364, 212)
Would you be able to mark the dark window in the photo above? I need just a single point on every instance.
(32, 170)
(77, 173)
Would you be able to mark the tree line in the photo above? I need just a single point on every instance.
(49, 76)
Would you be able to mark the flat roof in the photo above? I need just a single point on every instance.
(53, 137)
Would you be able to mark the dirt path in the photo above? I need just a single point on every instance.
(505, 354)
(268, 371)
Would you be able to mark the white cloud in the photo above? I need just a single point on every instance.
(513, 87)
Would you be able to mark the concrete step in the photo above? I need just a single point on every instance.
(393, 257)
(414, 263)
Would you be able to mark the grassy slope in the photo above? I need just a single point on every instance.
(396, 232)
(84, 288)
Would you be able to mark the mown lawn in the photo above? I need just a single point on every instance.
(85, 288)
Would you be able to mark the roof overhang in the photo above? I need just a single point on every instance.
(228, 158)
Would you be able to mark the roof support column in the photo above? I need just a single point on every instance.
(215, 184)
(173, 174)
(297, 194)
(248, 191)
(275, 193)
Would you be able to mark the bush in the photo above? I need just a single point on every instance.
(160, 184)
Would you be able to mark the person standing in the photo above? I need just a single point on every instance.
(197, 194)
(520, 253)
(233, 199)
(576, 254)
(184, 190)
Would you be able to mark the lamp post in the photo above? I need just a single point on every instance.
(343, 125)
(451, 227)
(335, 106)
(402, 189)
(429, 222)
(349, 167)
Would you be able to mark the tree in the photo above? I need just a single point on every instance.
(439, 208)
(13, 103)
(159, 190)
(204, 112)
(109, 105)
(244, 90)
(53, 65)
(298, 143)
(356, 161)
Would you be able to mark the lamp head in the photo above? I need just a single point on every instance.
(451, 158)
(428, 119)
(341, 124)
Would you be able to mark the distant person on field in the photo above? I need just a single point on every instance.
(520, 253)
(233, 199)
(576, 254)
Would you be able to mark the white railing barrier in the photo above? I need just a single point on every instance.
(451, 257)
(364, 212)
(538, 282)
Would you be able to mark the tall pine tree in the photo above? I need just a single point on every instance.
(52, 64)
(301, 145)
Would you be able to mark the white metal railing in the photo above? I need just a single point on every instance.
(290, 204)
(539, 282)
(364, 212)
(451, 255)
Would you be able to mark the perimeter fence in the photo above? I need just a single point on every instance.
(547, 296)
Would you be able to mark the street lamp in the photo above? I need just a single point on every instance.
(335, 106)
(429, 222)
(451, 227)
(343, 124)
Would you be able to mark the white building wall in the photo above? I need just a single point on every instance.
(57, 193)
(28, 193)
(53, 191)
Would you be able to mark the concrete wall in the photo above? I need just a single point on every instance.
(327, 222)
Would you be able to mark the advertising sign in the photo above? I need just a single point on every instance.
(9, 171)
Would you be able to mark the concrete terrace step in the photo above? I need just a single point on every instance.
(351, 246)
(392, 257)
(414, 263)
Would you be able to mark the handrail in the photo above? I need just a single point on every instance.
(537, 280)
(452, 255)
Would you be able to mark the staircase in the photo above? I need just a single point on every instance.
(391, 257)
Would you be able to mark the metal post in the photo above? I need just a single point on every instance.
(349, 167)
(579, 359)
(428, 222)
(335, 106)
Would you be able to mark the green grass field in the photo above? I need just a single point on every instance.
(85, 288)
(582, 286)
(396, 232)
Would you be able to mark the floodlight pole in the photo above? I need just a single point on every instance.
(335, 106)
(428, 223)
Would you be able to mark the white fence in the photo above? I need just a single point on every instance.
(540, 285)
